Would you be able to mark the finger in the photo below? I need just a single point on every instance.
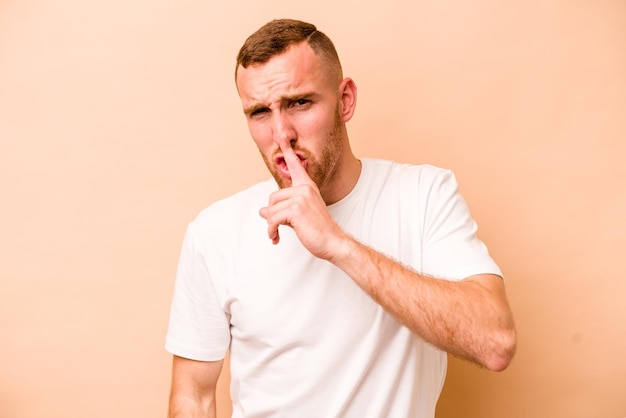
(294, 165)
(272, 229)
(277, 213)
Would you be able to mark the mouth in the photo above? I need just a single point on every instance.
(280, 162)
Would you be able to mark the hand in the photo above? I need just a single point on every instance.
(302, 208)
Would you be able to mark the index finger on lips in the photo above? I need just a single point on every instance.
(296, 170)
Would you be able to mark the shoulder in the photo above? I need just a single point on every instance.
(423, 176)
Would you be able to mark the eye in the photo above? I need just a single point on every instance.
(259, 111)
(299, 103)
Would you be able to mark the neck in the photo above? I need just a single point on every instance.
(344, 179)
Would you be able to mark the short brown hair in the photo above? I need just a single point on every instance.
(275, 37)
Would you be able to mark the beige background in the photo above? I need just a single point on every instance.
(119, 121)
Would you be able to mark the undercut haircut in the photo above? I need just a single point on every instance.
(275, 37)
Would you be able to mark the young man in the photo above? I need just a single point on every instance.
(340, 291)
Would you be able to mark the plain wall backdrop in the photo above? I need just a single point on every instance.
(119, 122)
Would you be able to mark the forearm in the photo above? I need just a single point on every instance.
(185, 406)
(468, 318)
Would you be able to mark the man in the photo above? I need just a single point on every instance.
(340, 291)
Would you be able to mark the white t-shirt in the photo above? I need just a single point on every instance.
(304, 339)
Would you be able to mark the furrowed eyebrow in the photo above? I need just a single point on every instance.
(251, 109)
(296, 97)
(285, 99)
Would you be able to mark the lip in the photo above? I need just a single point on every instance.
(279, 160)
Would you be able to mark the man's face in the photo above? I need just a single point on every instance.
(292, 100)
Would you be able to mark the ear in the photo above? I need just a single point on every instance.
(347, 93)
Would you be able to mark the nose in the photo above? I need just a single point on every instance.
(283, 130)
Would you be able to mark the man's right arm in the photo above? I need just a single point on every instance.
(193, 388)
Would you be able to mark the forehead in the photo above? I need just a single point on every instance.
(298, 68)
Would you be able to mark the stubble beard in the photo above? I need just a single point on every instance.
(320, 170)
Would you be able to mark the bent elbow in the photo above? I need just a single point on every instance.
(501, 356)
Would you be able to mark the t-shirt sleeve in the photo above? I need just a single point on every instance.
(450, 247)
(198, 326)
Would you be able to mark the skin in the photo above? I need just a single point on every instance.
(295, 114)
(292, 101)
(192, 393)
